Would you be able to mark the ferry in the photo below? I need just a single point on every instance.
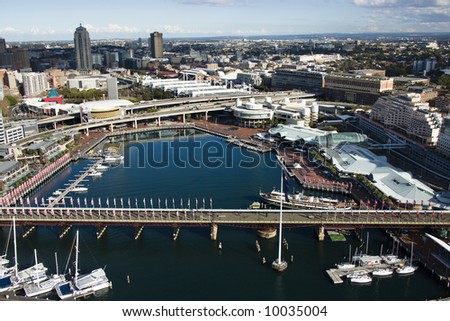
(300, 201)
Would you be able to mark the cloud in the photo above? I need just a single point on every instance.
(413, 15)
(111, 28)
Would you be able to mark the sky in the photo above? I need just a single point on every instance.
(30, 20)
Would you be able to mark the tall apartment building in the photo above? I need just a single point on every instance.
(298, 79)
(408, 116)
(35, 83)
(113, 92)
(14, 58)
(83, 50)
(2, 130)
(355, 88)
(155, 42)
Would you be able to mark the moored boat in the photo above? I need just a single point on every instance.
(382, 272)
(300, 201)
(362, 279)
(44, 287)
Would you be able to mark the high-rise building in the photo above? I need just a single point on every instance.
(112, 88)
(83, 48)
(2, 95)
(2, 130)
(155, 42)
(35, 83)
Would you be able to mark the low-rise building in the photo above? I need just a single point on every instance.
(11, 171)
(356, 88)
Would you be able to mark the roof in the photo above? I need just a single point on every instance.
(6, 166)
(293, 132)
(53, 93)
(444, 245)
(398, 184)
(106, 104)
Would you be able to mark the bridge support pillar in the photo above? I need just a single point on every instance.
(214, 231)
(100, 231)
(138, 232)
(64, 231)
(135, 123)
(87, 131)
(206, 116)
(184, 118)
(159, 121)
(321, 233)
(27, 230)
(111, 128)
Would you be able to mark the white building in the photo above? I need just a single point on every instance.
(443, 144)
(251, 114)
(407, 115)
(13, 133)
(113, 92)
(85, 83)
(35, 83)
(2, 95)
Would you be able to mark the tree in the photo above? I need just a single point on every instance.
(444, 80)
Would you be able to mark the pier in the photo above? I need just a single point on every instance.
(75, 183)
(336, 275)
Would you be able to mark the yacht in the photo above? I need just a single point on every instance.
(94, 173)
(83, 285)
(57, 192)
(382, 272)
(357, 273)
(44, 287)
(362, 279)
(101, 167)
(79, 189)
(406, 269)
(113, 158)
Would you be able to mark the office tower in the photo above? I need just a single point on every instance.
(155, 43)
(83, 48)
(112, 88)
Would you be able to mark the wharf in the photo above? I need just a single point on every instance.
(74, 184)
(336, 275)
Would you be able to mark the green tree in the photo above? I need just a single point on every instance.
(444, 80)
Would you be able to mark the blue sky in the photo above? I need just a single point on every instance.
(56, 20)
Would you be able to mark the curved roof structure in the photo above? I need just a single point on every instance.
(105, 104)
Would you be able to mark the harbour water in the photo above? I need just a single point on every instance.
(155, 267)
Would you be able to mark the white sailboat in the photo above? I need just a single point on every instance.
(407, 268)
(82, 285)
(279, 264)
(18, 279)
(346, 265)
(41, 288)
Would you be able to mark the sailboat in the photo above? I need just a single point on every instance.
(44, 287)
(18, 279)
(82, 285)
(346, 265)
(407, 268)
(5, 271)
(279, 264)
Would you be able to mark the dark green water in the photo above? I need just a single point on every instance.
(192, 267)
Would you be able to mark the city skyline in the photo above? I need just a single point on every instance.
(205, 18)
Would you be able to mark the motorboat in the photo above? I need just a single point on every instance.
(382, 272)
(356, 273)
(94, 173)
(406, 269)
(101, 167)
(345, 266)
(113, 158)
(57, 192)
(79, 189)
(362, 279)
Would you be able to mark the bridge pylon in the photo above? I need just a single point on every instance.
(214, 231)
(64, 231)
(321, 233)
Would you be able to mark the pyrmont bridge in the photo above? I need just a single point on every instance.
(247, 218)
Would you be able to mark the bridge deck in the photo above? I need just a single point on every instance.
(237, 217)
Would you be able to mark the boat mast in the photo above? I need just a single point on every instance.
(76, 260)
(56, 263)
(281, 218)
(350, 254)
(16, 265)
(367, 244)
